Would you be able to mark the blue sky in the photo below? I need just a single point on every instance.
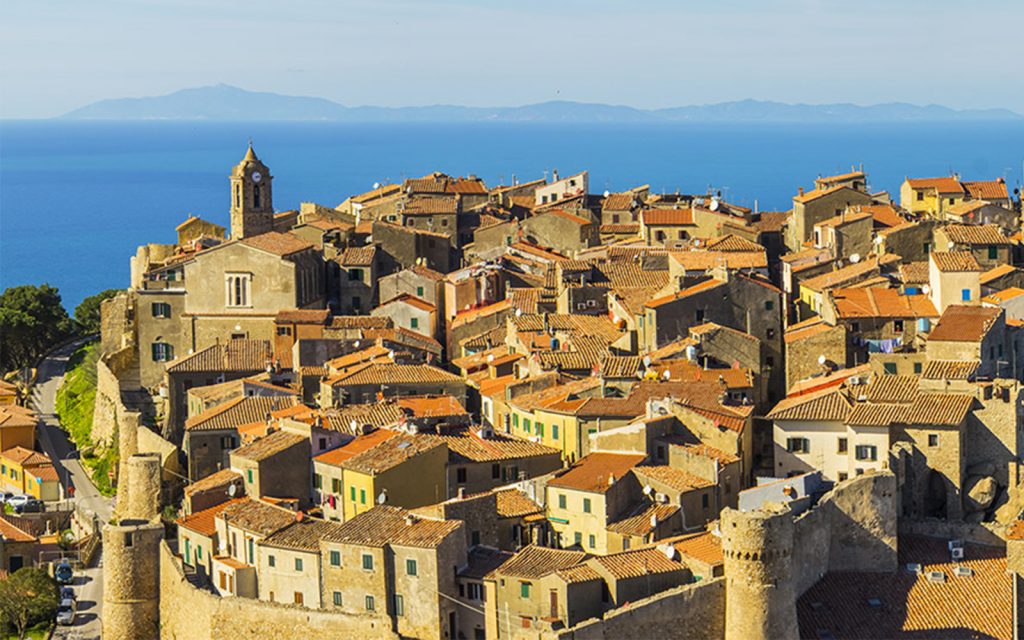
(61, 54)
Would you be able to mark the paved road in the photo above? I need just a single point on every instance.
(54, 441)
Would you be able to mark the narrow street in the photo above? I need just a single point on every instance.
(54, 441)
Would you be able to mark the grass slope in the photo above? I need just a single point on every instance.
(75, 403)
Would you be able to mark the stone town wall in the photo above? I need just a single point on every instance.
(812, 541)
(108, 397)
(187, 613)
(690, 612)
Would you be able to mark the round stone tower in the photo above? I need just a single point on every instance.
(760, 600)
(131, 555)
(252, 203)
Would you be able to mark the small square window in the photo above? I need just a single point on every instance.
(933, 439)
(889, 368)
(561, 501)
(410, 567)
(298, 564)
(335, 558)
(842, 445)
(367, 562)
(524, 589)
(369, 603)
(591, 542)
(337, 598)
(769, 305)
(460, 475)
(586, 505)
(414, 323)
(918, 367)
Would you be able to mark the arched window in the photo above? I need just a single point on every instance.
(256, 196)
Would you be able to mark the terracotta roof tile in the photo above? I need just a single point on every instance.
(941, 185)
(534, 562)
(828, 404)
(205, 522)
(281, 244)
(464, 445)
(390, 453)
(637, 521)
(637, 563)
(961, 323)
(302, 534)
(950, 369)
(974, 234)
(239, 411)
(955, 261)
(513, 503)
(269, 445)
(987, 189)
(256, 516)
(595, 472)
(357, 256)
(250, 356)
(677, 479)
(667, 217)
(215, 481)
(386, 525)
(881, 303)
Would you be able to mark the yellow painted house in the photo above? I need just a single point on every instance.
(405, 470)
(29, 472)
(593, 492)
(17, 427)
(931, 196)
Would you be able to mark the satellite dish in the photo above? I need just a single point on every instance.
(878, 239)
(647, 361)
(669, 551)
(648, 489)
(383, 497)
(666, 374)
(926, 289)
(607, 193)
(821, 359)
(490, 357)
(714, 204)
(356, 344)
(855, 258)
(519, 312)
(391, 354)
(232, 490)
(376, 185)
(950, 245)
(353, 425)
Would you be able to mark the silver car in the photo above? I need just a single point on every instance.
(66, 612)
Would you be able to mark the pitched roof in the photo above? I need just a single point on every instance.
(257, 516)
(677, 479)
(941, 185)
(411, 300)
(670, 217)
(281, 244)
(961, 323)
(386, 525)
(814, 194)
(685, 293)
(303, 316)
(205, 522)
(636, 563)
(950, 369)
(827, 404)
(597, 472)
(638, 521)
(215, 481)
(908, 605)
(701, 260)
(357, 256)
(25, 457)
(513, 503)
(536, 562)
(955, 261)
(375, 373)
(465, 445)
(239, 411)
(390, 453)
(914, 272)
(845, 275)
(875, 302)
(335, 457)
(987, 189)
(16, 529)
(247, 356)
(303, 534)
(269, 445)
(983, 234)
(997, 272)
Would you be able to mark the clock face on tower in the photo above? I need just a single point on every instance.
(256, 176)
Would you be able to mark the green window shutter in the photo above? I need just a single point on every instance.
(561, 501)
(554, 432)
(352, 493)
(586, 505)
(414, 323)
(362, 496)
(410, 567)
(524, 589)
(419, 292)
(248, 474)
(335, 558)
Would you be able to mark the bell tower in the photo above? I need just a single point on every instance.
(252, 204)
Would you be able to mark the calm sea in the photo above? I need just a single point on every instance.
(77, 198)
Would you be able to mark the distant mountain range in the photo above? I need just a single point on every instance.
(223, 102)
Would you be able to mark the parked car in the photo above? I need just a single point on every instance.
(33, 505)
(67, 593)
(18, 500)
(66, 612)
(64, 573)
(5, 496)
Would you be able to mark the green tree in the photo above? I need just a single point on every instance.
(27, 596)
(87, 314)
(32, 319)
